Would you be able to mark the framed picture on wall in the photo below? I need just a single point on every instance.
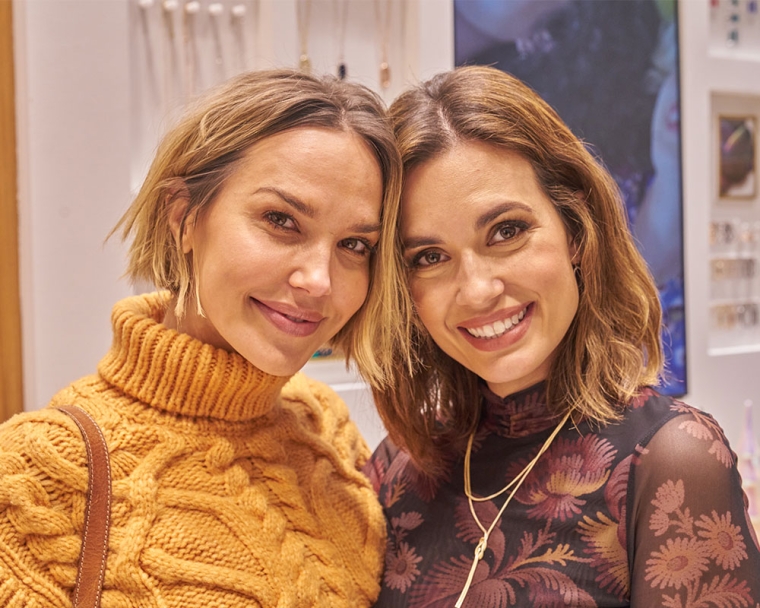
(610, 69)
(737, 162)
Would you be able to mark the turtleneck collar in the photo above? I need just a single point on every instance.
(179, 374)
(519, 414)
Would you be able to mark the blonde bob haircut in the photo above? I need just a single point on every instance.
(197, 155)
(612, 348)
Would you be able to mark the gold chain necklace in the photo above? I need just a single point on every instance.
(480, 549)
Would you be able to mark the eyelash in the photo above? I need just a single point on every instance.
(415, 261)
(369, 249)
(517, 226)
(273, 216)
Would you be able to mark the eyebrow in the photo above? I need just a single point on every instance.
(297, 204)
(311, 212)
(481, 222)
(490, 215)
(422, 241)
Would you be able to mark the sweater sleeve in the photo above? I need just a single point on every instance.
(692, 541)
(43, 483)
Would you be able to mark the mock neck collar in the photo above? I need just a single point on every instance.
(517, 415)
(176, 373)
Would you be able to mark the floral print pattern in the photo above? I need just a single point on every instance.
(681, 562)
(603, 519)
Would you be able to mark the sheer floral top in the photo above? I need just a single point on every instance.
(646, 512)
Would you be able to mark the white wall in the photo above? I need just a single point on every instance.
(73, 134)
(77, 145)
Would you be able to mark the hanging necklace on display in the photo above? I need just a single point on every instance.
(168, 9)
(303, 17)
(340, 16)
(238, 27)
(383, 31)
(192, 8)
(215, 11)
(516, 482)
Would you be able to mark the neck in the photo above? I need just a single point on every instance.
(177, 373)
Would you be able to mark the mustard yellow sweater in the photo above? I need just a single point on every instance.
(231, 487)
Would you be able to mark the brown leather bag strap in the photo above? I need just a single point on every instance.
(92, 559)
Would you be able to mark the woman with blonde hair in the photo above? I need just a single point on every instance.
(529, 460)
(236, 481)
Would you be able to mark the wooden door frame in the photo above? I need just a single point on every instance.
(11, 380)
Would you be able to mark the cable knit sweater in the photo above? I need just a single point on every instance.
(230, 487)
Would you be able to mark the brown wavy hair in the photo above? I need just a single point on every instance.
(204, 148)
(612, 348)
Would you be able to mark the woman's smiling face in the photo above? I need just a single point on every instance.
(490, 263)
(282, 255)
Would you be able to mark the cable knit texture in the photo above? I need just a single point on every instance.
(231, 487)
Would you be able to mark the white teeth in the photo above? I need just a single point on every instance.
(498, 328)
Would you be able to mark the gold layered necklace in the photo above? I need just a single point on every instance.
(480, 549)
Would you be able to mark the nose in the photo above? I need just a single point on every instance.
(477, 280)
(312, 272)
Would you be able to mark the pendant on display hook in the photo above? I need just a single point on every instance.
(385, 75)
(304, 64)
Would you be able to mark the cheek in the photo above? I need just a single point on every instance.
(350, 290)
(427, 303)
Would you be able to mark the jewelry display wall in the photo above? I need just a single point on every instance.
(180, 48)
(734, 229)
(735, 27)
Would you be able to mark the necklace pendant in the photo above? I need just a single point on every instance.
(479, 552)
(342, 71)
(304, 64)
(385, 75)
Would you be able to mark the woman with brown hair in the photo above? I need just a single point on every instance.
(236, 481)
(529, 460)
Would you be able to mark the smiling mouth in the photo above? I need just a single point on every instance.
(499, 328)
(303, 323)
(296, 319)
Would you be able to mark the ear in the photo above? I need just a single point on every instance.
(177, 201)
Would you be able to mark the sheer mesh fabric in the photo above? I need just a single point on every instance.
(648, 512)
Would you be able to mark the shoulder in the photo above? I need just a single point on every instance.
(47, 430)
(301, 389)
(690, 435)
(43, 461)
(384, 463)
(647, 413)
(684, 427)
(318, 409)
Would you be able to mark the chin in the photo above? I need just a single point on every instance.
(277, 364)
